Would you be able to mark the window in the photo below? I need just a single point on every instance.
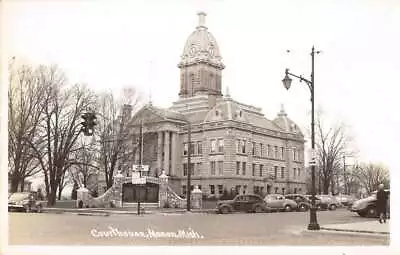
(261, 170)
(185, 149)
(198, 168)
(185, 169)
(199, 148)
(237, 168)
(253, 170)
(191, 169)
(261, 150)
(276, 172)
(184, 189)
(282, 153)
(276, 152)
(220, 145)
(220, 189)
(213, 146)
(282, 172)
(294, 173)
(238, 146)
(276, 190)
(191, 149)
(220, 167)
(268, 150)
(199, 187)
(243, 146)
(237, 189)
(253, 148)
(283, 191)
(212, 167)
(212, 189)
(244, 168)
(295, 190)
(298, 172)
(294, 153)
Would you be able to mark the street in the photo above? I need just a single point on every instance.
(203, 229)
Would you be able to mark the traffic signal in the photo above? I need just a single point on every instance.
(89, 121)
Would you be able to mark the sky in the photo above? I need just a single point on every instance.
(112, 44)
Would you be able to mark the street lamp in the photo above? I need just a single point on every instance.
(313, 225)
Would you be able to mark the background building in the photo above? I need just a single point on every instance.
(234, 147)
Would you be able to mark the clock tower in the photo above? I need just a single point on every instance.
(201, 64)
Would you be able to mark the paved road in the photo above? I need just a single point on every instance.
(262, 229)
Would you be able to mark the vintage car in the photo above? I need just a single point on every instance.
(303, 203)
(278, 202)
(366, 207)
(243, 203)
(24, 201)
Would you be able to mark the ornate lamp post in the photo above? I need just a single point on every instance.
(313, 225)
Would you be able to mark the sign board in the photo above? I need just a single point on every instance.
(140, 180)
(144, 168)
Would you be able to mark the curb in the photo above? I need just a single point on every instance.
(354, 233)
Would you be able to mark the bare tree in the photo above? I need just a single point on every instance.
(24, 113)
(371, 175)
(63, 106)
(332, 144)
(116, 144)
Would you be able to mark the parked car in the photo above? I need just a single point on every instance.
(24, 201)
(303, 203)
(346, 200)
(244, 203)
(279, 202)
(328, 202)
(318, 203)
(366, 207)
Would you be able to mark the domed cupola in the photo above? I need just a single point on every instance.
(285, 123)
(201, 63)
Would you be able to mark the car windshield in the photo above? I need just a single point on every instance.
(19, 196)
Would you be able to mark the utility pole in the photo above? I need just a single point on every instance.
(344, 175)
(189, 174)
(140, 163)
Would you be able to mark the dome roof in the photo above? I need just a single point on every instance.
(285, 123)
(201, 46)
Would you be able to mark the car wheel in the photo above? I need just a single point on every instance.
(28, 209)
(303, 208)
(332, 207)
(288, 208)
(225, 210)
(258, 209)
(371, 212)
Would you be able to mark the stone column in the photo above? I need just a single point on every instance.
(117, 194)
(196, 198)
(163, 190)
(174, 153)
(166, 151)
(82, 198)
(159, 151)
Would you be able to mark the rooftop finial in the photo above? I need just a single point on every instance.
(282, 113)
(202, 20)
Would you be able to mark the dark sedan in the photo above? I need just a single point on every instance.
(24, 201)
(243, 203)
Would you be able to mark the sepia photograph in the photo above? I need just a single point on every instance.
(258, 124)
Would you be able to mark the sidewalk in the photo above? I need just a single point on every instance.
(367, 228)
(122, 211)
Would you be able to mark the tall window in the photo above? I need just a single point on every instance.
(213, 146)
(243, 146)
(253, 148)
(184, 189)
(282, 153)
(237, 168)
(220, 189)
(185, 170)
(238, 146)
(212, 167)
(298, 172)
(212, 189)
(294, 173)
(282, 172)
(191, 149)
(283, 191)
(220, 167)
(276, 172)
(198, 168)
(261, 170)
(268, 150)
(253, 170)
(220, 145)
(261, 150)
(294, 153)
(276, 152)
(191, 169)
(185, 149)
(199, 148)
(243, 168)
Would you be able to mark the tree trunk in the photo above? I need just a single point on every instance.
(60, 189)
(51, 198)
(14, 183)
(22, 185)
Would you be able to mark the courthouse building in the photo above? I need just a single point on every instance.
(234, 147)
